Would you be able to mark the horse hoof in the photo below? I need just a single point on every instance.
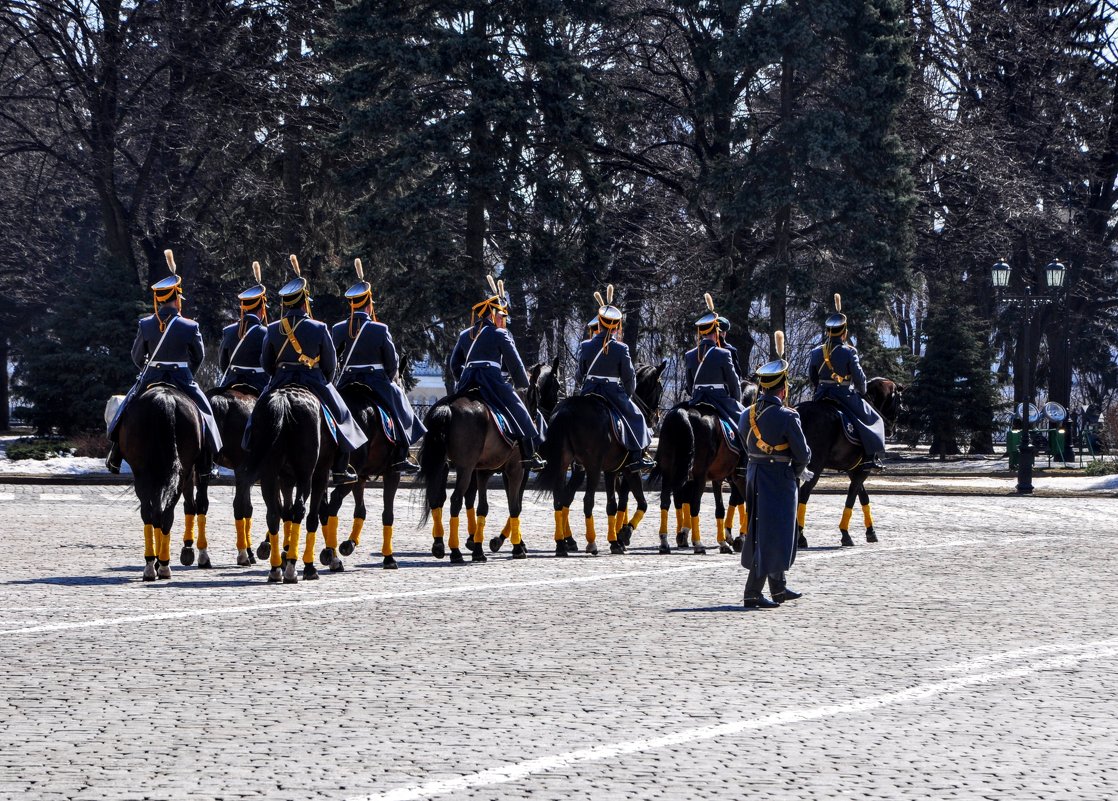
(204, 559)
(561, 549)
(846, 541)
(700, 550)
(665, 550)
(326, 556)
(496, 543)
(519, 551)
(337, 567)
(625, 535)
(310, 572)
(724, 547)
(390, 563)
(275, 575)
(264, 550)
(163, 571)
(149, 571)
(251, 556)
(739, 543)
(801, 542)
(244, 558)
(682, 537)
(346, 548)
(186, 556)
(617, 547)
(438, 550)
(871, 535)
(477, 555)
(592, 548)
(571, 544)
(456, 557)
(289, 576)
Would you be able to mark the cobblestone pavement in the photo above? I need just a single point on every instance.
(972, 653)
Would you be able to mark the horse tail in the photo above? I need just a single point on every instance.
(432, 454)
(675, 455)
(553, 477)
(264, 436)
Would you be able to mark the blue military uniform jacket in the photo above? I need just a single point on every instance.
(281, 362)
(844, 382)
(170, 356)
(733, 358)
(609, 373)
(714, 380)
(239, 357)
(370, 359)
(776, 459)
(479, 362)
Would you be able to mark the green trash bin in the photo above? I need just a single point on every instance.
(1056, 441)
(1013, 446)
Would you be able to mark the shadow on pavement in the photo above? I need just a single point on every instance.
(722, 608)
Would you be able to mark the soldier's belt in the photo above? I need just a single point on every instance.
(764, 459)
(828, 381)
(377, 366)
(606, 378)
(167, 365)
(484, 364)
(710, 386)
(247, 369)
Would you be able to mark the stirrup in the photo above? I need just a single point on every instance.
(534, 462)
(406, 466)
(111, 466)
(342, 477)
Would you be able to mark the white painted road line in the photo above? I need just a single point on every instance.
(522, 770)
(60, 496)
(456, 589)
(7, 496)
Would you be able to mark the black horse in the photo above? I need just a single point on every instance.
(161, 438)
(232, 408)
(580, 430)
(831, 450)
(291, 450)
(374, 458)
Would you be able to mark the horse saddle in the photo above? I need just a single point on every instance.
(374, 397)
(848, 425)
(729, 429)
(616, 422)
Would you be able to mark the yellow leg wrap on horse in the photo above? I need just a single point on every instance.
(276, 558)
(720, 529)
(694, 530)
(687, 519)
(479, 532)
(293, 542)
(286, 534)
(679, 519)
(248, 532)
(471, 522)
(611, 528)
(801, 514)
(330, 532)
(149, 541)
(663, 522)
(386, 542)
(567, 522)
(559, 535)
(359, 523)
(164, 540)
(591, 535)
(239, 524)
(308, 550)
(514, 530)
(867, 516)
(638, 516)
(188, 530)
(844, 523)
(453, 542)
(507, 530)
(622, 517)
(437, 523)
(202, 541)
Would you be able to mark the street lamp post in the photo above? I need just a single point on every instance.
(1054, 274)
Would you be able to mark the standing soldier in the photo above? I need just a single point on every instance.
(711, 377)
(836, 375)
(485, 349)
(168, 348)
(241, 342)
(778, 457)
(298, 350)
(605, 368)
(365, 344)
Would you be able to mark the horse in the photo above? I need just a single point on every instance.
(693, 451)
(291, 450)
(831, 450)
(581, 430)
(374, 458)
(160, 437)
(887, 396)
(232, 408)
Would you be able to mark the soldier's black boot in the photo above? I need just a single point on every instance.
(206, 467)
(112, 461)
(343, 473)
(753, 599)
(640, 461)
(530, 459)
(780, 591)
(403, 464)
(874, 462)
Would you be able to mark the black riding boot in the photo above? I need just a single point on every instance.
(779, 589)
(873, 461)
(638, 460)
(206, 468)
(112, 461)
(403, 463)
(343, 473)
(530, 458)
(753, 598)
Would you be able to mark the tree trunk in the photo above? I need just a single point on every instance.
(5, 397)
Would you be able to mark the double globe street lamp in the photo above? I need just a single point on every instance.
(1054, 274)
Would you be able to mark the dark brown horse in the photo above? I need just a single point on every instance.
(374, 458)
(581, 430)
(160, 437)
(232, 408)
(291, 450)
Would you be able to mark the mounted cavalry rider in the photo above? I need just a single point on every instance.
(723, 330)
(711, 377)
(169, 349)
(241, 342)
(605, 369)
(837, 376)
(298, 350)
(485, 349)
(778, 456)
(368, 354)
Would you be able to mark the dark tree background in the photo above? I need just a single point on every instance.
(771, 152)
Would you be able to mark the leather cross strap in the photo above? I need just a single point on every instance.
(289, 332)
(764, 446)
(838, 379)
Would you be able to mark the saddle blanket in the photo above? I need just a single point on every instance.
(730, 435)
(504, 426)
(849, 429)
(387, 424)
(331, 423)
